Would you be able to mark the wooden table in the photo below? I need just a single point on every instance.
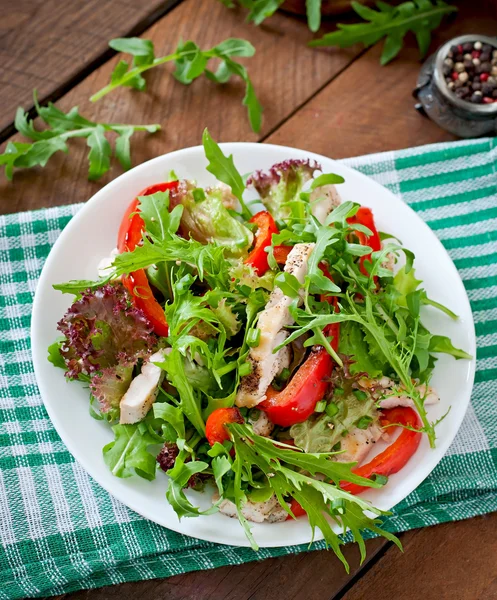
(338, 103)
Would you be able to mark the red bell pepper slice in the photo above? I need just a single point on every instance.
(281, 253)
(215, 427)
(364, 216)
(297, 401)
(129, 236)
(396, 456)
(265, 229)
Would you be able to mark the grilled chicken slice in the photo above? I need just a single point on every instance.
(358, 443)
(390, 394)
(272, 322)
(323, 200)
(257, 512)
(142, 391)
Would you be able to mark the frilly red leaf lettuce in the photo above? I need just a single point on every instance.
(104, 329)
(282, 184)
(110, 385)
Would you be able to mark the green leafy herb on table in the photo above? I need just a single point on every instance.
(259, 10)
(391, 22)
(191, 62)
(60, 128)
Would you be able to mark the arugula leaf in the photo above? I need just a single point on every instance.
(419, 16)
(176, 496)
(223, 168)
(261, 9)
(189, 398)
(61, 127)
(288, 284)
(172, 415)
(220, 466)
(128, 453)
(54, 355)
(99, 156)
(443, 344)
(352, 343)
(313, 8)
(319, 497)
(326, 179)
(190, 62)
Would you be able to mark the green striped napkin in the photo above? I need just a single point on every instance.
(59, 531)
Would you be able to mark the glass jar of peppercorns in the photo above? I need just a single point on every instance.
(457, 86)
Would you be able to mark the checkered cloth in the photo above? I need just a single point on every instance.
(61, 532)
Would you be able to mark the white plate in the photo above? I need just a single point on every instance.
(91, 235)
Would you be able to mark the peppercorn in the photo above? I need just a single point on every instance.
(487, 89)
(470, 72)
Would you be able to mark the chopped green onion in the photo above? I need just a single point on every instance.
(253, 338)
(320, 406)
(381, 479)
(331, 409)
(284, 375)
(338, 391)
(245, 369)
(360, 395)
(198, 195)
(364, 422)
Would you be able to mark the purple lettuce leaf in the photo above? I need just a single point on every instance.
(104, 329)
(282, 183)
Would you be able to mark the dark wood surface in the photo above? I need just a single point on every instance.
(335, 102)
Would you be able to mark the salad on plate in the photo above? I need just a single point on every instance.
(257, 350)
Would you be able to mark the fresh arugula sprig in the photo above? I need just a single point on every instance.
(223, 168)
(260, 10)
(61, 127)
(191, 62)
(393, 22)
(287, 474)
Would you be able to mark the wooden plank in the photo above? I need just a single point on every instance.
(316, 576)
(285, 74)
(370, 108)
(49, 44)
(455, 560)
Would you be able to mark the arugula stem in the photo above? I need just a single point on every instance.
(441, 307)
(227, 368)
(388, 320)
(134, 72)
